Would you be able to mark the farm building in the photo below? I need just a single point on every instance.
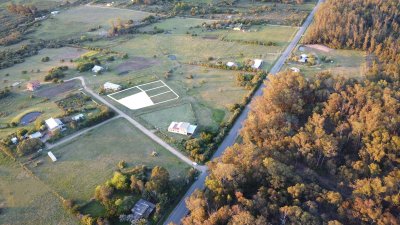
(97, 69)
(52, 156)
(78, 117)
(182, 128)
(141, 210)
(257, 63)
(231, 64)
(54, 124)
(33, 85)
(36, 135)
(303, 58)
(294, 69)
(112, 87)
(14, 140)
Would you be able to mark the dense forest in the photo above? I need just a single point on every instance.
(322, 150)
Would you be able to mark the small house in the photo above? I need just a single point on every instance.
(182, 128)
(33, 85)
(112, 87)
(14, 140)
(54, 124)
(36, 135)
(303, 58)
(257, 64)
(78, 117)
(142, 209)
(294, 69)
(52, 156)
(238, 28)
(97, 69)
(231, 64)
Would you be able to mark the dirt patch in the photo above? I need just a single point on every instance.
(70, 53)
(321, 48)
(209, 37)
(134, 64)
(57, 90)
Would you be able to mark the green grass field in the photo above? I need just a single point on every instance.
(27, 201)
(91, 159)
(36, 69)
(77, 21)
(346, 63)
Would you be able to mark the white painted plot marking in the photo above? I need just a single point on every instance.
(142, 99)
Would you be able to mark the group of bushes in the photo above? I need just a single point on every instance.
(119, 194)
(4, 93)
(56, 73)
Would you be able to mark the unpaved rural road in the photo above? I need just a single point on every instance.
(180, 210)
(140, 127)
(77, 134)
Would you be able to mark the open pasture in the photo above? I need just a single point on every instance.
(27, 201)
(35, 69)
(144, 95)
(79, 20)
(90, 159)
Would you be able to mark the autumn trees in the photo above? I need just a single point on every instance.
(321, 150)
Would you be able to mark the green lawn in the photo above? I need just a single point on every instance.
(347, 63)
(77, 21)
(27, 201)
(91, 159)
(36, 69)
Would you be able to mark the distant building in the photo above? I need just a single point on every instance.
(55, 12)
(40, 18)
(97, 69)
(112, 87)
(231, 64)
(78, 117)
(52, 156)
(238, 28)
(33, 85)
(294, 69)
(14, 140)
(182, 128)
(36, 135)
(257, 63)
(303, 58)
(54, 124)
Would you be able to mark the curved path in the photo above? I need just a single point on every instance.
(180, 210)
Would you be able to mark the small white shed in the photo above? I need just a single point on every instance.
(97, 69)
(52, 156)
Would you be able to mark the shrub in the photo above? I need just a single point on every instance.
(29, 146)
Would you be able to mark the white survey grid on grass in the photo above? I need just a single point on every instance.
(142, 99)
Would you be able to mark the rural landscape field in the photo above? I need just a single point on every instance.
(199, 112)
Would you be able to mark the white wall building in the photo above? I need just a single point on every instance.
(52, 156)
(182, 128)
(54, 124)
(257, 63)
(78, 117)
(97, 69)
(112, 87)
(36, 135)
(231, 64)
